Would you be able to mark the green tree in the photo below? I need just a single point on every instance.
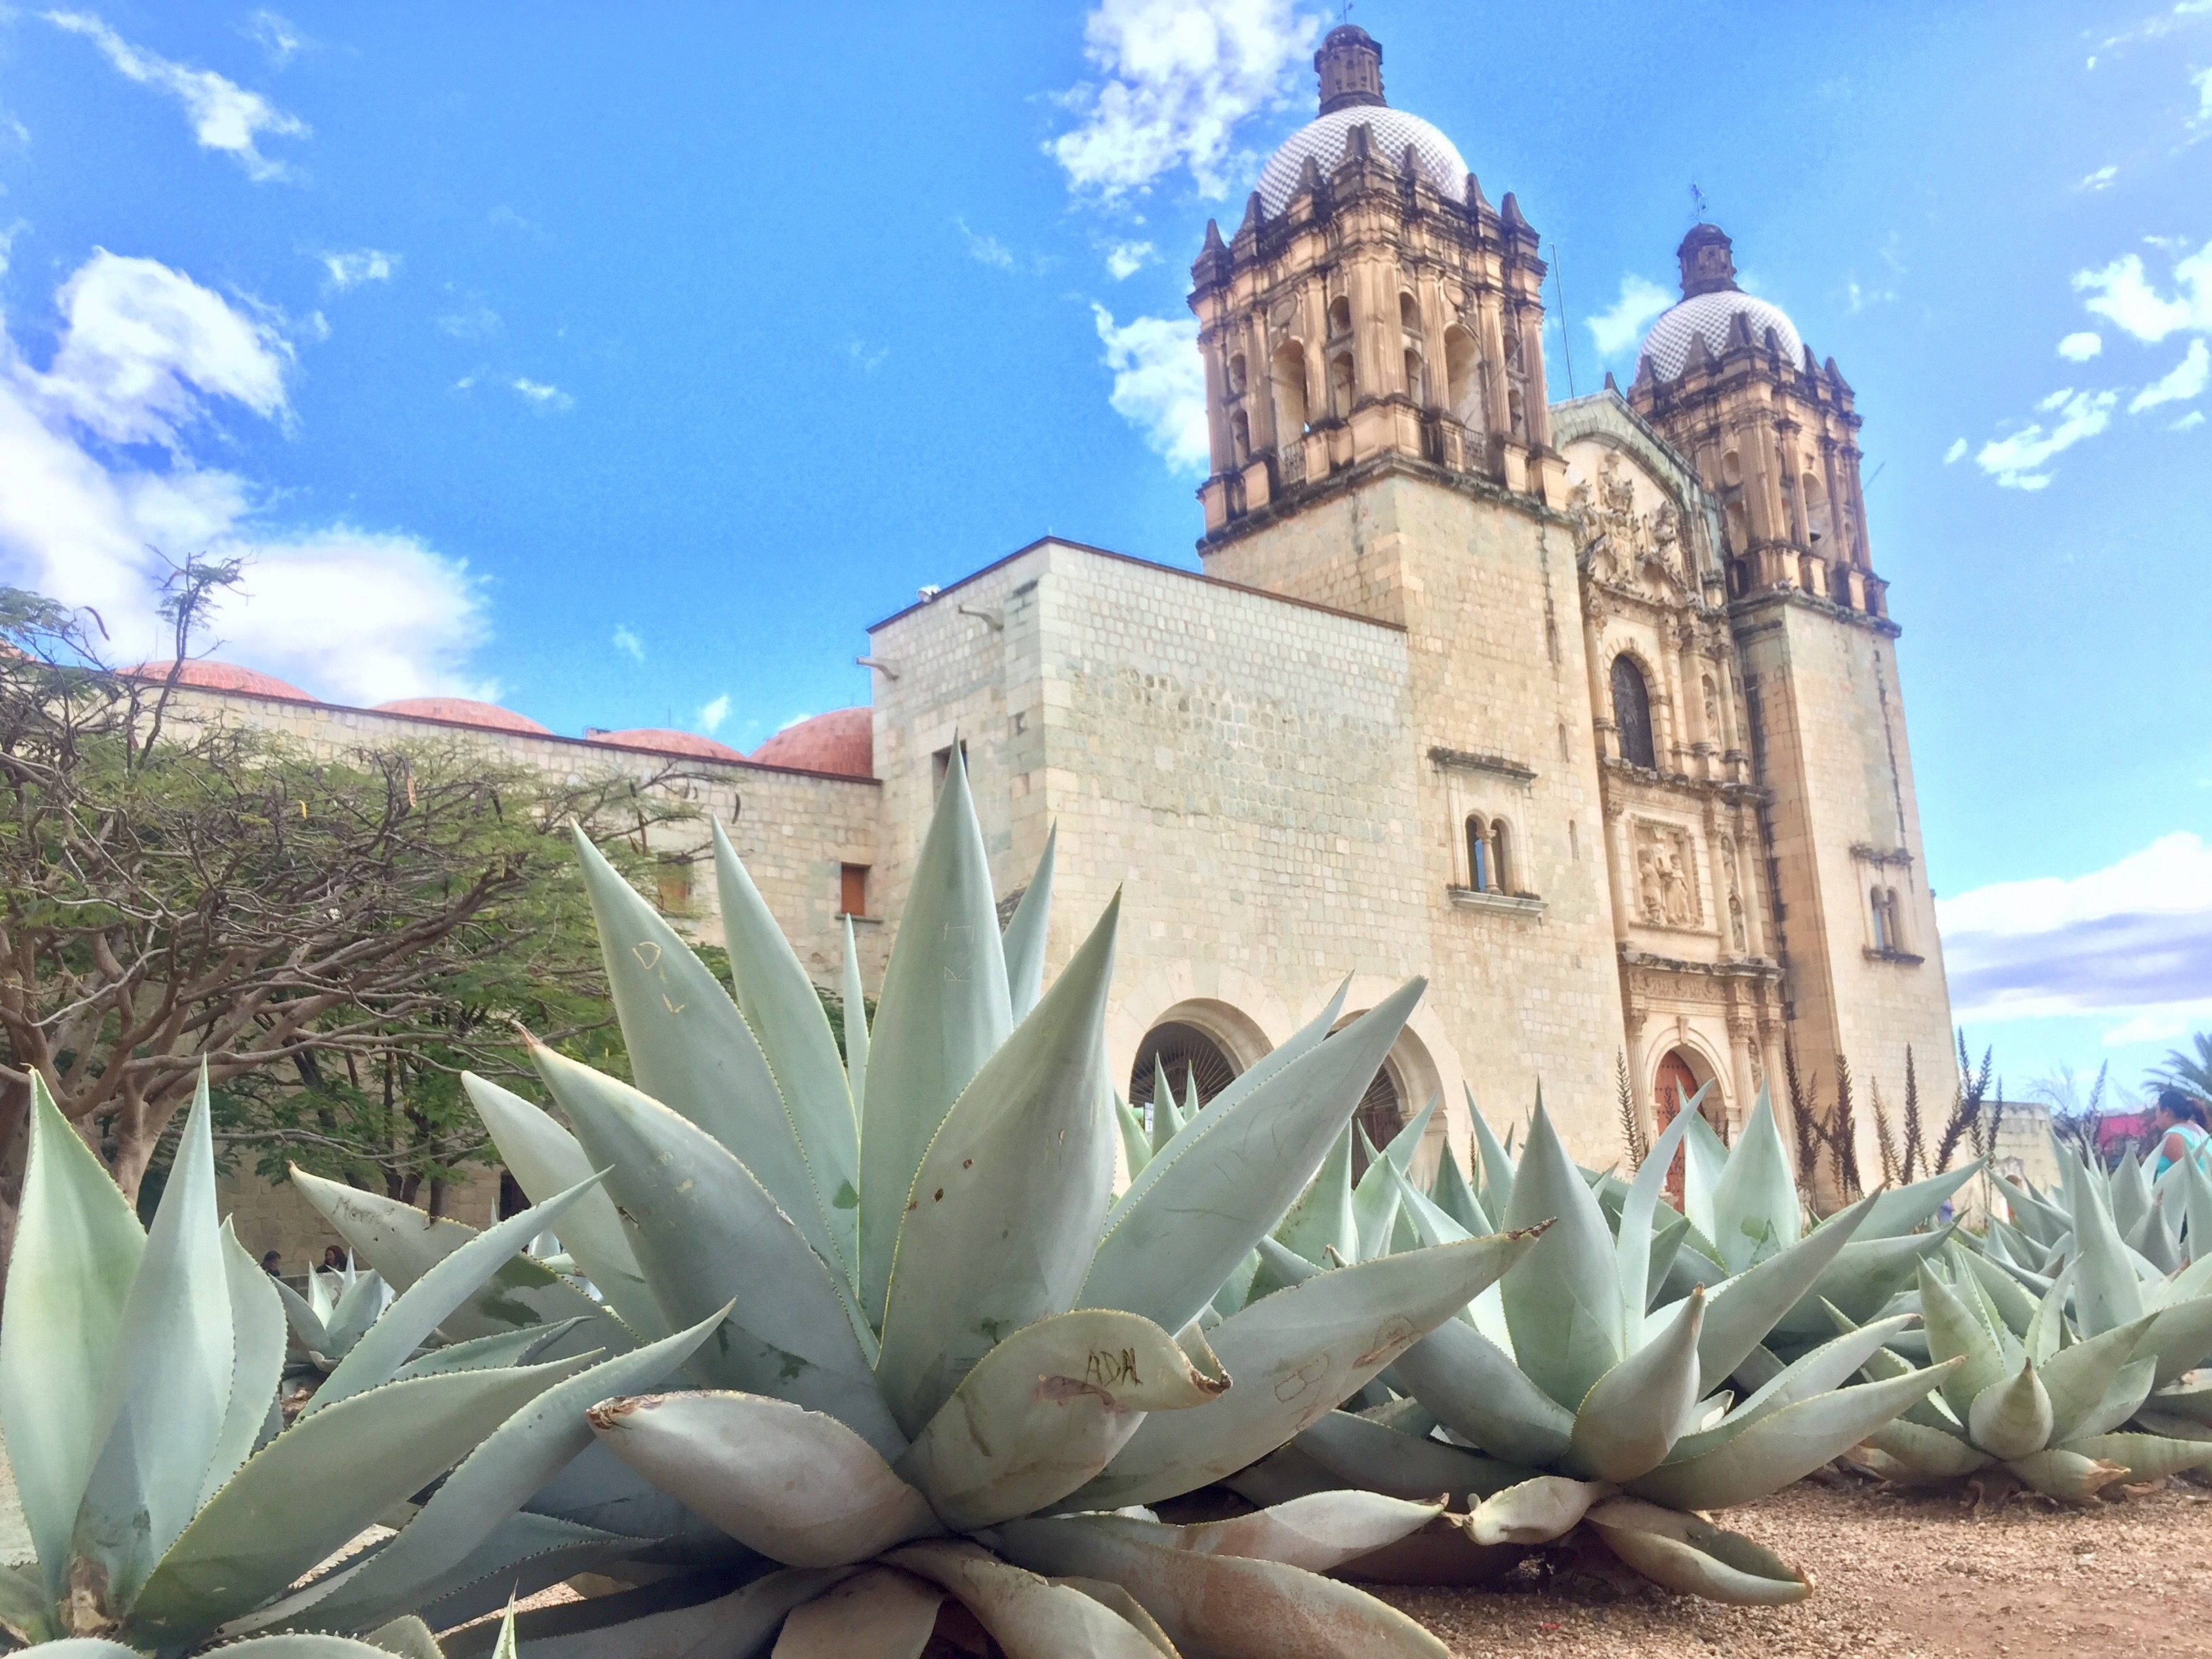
(2191, 1074)
(335, 935)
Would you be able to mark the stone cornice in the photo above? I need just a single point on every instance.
(1461, 760)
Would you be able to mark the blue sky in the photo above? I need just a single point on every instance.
(623, 365)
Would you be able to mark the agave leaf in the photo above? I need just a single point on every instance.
(1633, 1245)
(298, 1644)
(881, 1613)
(1224, 1183)
(384, 1346)
(404, 1244)
(1236, 1290)
(1124, 1606)
(856, 1025)
(1496, 1191)
(2080, 1377)
(599, 1490)
(76, 1254)
(1375, 1203)
(1136, 1150)
(494, 1480)
(2070, 1476)
(358, 1306)
(1226, 1605)
(1633, 1414)
(1534, 1512)
(1755, 1200)
(1451, 1193)
(545, 1159)
(1474, 1386)
(1318, 1533)
(1563, 1301)
(525, 1554)
(1705, 1161)
(2004, 1295)
(1322, 1221)
(798, 1487)
(2197, 1190)
(1783, 1447)
(1863, 1277)
(2108, 1292)
(689, 1047)
(168, 1390)
(1408, 1140)
(1935, 1454)
(1027, 1616)
(707, 1232)
(944, 1011)
(785, 1014)
(409, 1637)
(2180, 1338)
(1666, 1247)
(299, 1313)
(1682, 1552)
(1008, 1200)
(2129, 1189)
(1044, 1412)
(1025, 935)
(1357, 1451)
(1741, 1312)
(1295, 1356)
(1956, 1331)
(2011, 1417)
(2145, 1456)
(1828, 1366)
(2122, 1400)
(1900, 1209)
(257, 1361)
(317, 1485)
(661, 1621)
(1430, 1225)
(487, 1352)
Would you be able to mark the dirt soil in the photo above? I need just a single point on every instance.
(1895, 1573)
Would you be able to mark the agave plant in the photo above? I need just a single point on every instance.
(1569, 1399)
(940, 1348)
(2028, 1395)
(167, 1502)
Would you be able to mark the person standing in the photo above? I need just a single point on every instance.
(2179, 1123)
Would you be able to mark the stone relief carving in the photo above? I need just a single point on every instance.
(1666, 875)
(1614, 539)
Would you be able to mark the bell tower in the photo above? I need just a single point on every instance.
(1774, 434)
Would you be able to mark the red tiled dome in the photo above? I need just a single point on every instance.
(206, 676)
(843, 740)
(464, 711)
(665, 742)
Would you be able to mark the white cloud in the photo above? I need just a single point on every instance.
(2015, 461)
(2080, 348)
(2132, 941)
(2186, 380)
(275, 36)
(1957, 452)
(628, 643)
(866, 358)
(547, 399)
(1159, 384)
(1126, 259)
(224, 115)
(2203, 82)
(985, 250)
(712, 714)
(1177, 78)
(367, 265)
(94, 449)
(1641, 300)
(2100, 179)
(479, 322)
(2194, 418)
(2124, 296)
(1857, 298)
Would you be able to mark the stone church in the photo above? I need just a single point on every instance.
(1588, 710)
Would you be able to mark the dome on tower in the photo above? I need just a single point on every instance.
(1710, 304)
(464, 711)
(1349, 67)
(204, 674)
(842, 740)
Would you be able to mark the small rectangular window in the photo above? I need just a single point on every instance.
(673, 888)
(852, 890)
(941, 764)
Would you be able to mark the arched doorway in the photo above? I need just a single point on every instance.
(1188, 1054)
(1681, 1075)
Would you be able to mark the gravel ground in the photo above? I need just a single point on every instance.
(1917, 1576)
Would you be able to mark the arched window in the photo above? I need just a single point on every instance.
(1896, 916)
(1516, 410)
(1501, 860)
(1240, 438)
(1463, 377)
(1631, 712)
(1881, 904)
(1237, 375)
(1339, 318)
(1477, 856)
(1340, 384)
(1292, 413)
(1815, 500)
(1409, 313)
(1416, 384)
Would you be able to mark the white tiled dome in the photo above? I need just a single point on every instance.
(1708, 317)
(1325, 138)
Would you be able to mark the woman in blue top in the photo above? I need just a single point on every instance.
(2178, 1122)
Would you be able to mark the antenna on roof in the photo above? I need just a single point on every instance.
(1697, 202)
(1567, 345)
